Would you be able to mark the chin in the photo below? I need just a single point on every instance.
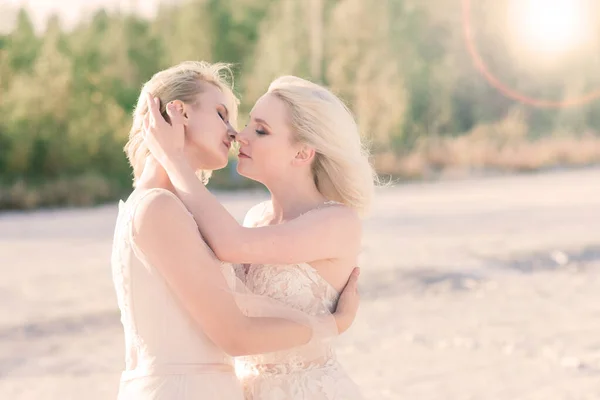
(215, 165)
(222, 160)
(215, 162)
(222, 165)
(247, 174)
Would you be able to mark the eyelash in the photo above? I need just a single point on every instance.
(259, 132)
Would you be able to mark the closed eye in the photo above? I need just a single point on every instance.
(223, 113)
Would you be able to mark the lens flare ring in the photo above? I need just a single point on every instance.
(506, 90)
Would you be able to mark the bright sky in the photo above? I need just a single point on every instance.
(552, 26)
(71, 10)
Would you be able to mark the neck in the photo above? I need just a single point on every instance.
(154, 176)
(293, 197)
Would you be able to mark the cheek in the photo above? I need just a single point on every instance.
(274, 154)
(200, 127)
(194, 126)
(193, 135)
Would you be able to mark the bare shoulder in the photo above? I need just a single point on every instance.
(162, 224)
(339, 213)
(337, 227)
(338, 217)
(160, 207)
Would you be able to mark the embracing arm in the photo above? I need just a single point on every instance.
(321, 234)
(169, 239)
(328, 233)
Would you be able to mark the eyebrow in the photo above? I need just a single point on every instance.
(262, 121)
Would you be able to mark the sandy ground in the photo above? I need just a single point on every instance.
(475, 289)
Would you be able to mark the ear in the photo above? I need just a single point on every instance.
(304, 156)
(182, 108)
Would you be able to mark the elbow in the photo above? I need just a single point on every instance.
(230, 249)
(224, 252)
(234, 345)
(236, 349)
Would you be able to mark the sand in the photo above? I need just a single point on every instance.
(471, 289)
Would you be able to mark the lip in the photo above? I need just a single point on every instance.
(227, 144)
(241, 154)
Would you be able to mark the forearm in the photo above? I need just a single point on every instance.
(266, 334)
(216, 224)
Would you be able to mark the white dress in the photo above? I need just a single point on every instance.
(310, 372)
(167, 356)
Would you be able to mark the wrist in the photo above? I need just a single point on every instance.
(175, 163)
(179, 170)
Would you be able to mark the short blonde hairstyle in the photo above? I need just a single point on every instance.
(341, 169)
(184, 82)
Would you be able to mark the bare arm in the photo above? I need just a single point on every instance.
(328, 233)
(169, 238)
(322, 234)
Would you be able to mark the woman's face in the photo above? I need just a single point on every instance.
(267, 148)
(208, 134)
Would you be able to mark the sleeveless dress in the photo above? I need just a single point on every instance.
(309, 372)
(167, 356)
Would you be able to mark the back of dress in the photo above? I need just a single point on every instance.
(167, 356)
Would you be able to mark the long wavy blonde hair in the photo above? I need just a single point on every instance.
(341, 169)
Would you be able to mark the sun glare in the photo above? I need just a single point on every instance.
(549, 26)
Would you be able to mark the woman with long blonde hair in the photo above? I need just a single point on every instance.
(299, 247)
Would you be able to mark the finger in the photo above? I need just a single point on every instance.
(149, 104)
(157, 101)
(145, 123)
(153, 109)
(146, 126)
(354, 275)
(176, 115)
(352, 283)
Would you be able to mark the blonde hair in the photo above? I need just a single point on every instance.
(341, 168)
(184, 82)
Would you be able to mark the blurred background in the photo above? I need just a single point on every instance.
(440, 88)
(481, 262)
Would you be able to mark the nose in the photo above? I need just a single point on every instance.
(231, 132)
(242, 137)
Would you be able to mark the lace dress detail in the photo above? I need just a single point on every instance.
(307, 372)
